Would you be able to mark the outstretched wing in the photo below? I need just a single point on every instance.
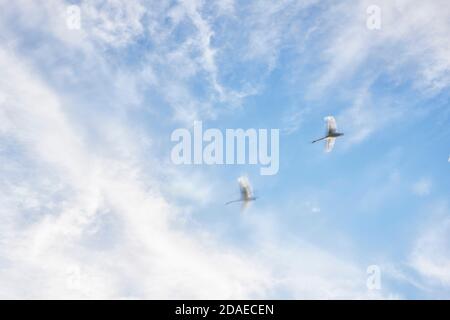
(331, 124)
(329, 144)
(246, 189)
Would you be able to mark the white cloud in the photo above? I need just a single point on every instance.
(113, 22)
(411, 48)
(293, 119)
(431, 252)
(412, 32)
(271, 26)
(87, 223)
(364, 117)
(169, 263)
(422, 187)
(89, 218)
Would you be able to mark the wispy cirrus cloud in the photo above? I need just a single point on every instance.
(430, 256)
(90, 208)
(411, 46)
(105, 198)
(84, 206)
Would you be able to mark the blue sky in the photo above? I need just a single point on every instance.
(91, 205)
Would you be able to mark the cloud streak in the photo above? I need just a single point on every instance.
(92, 222)
(89, 209)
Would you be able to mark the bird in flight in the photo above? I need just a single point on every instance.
(331, 134)
(246, 192)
